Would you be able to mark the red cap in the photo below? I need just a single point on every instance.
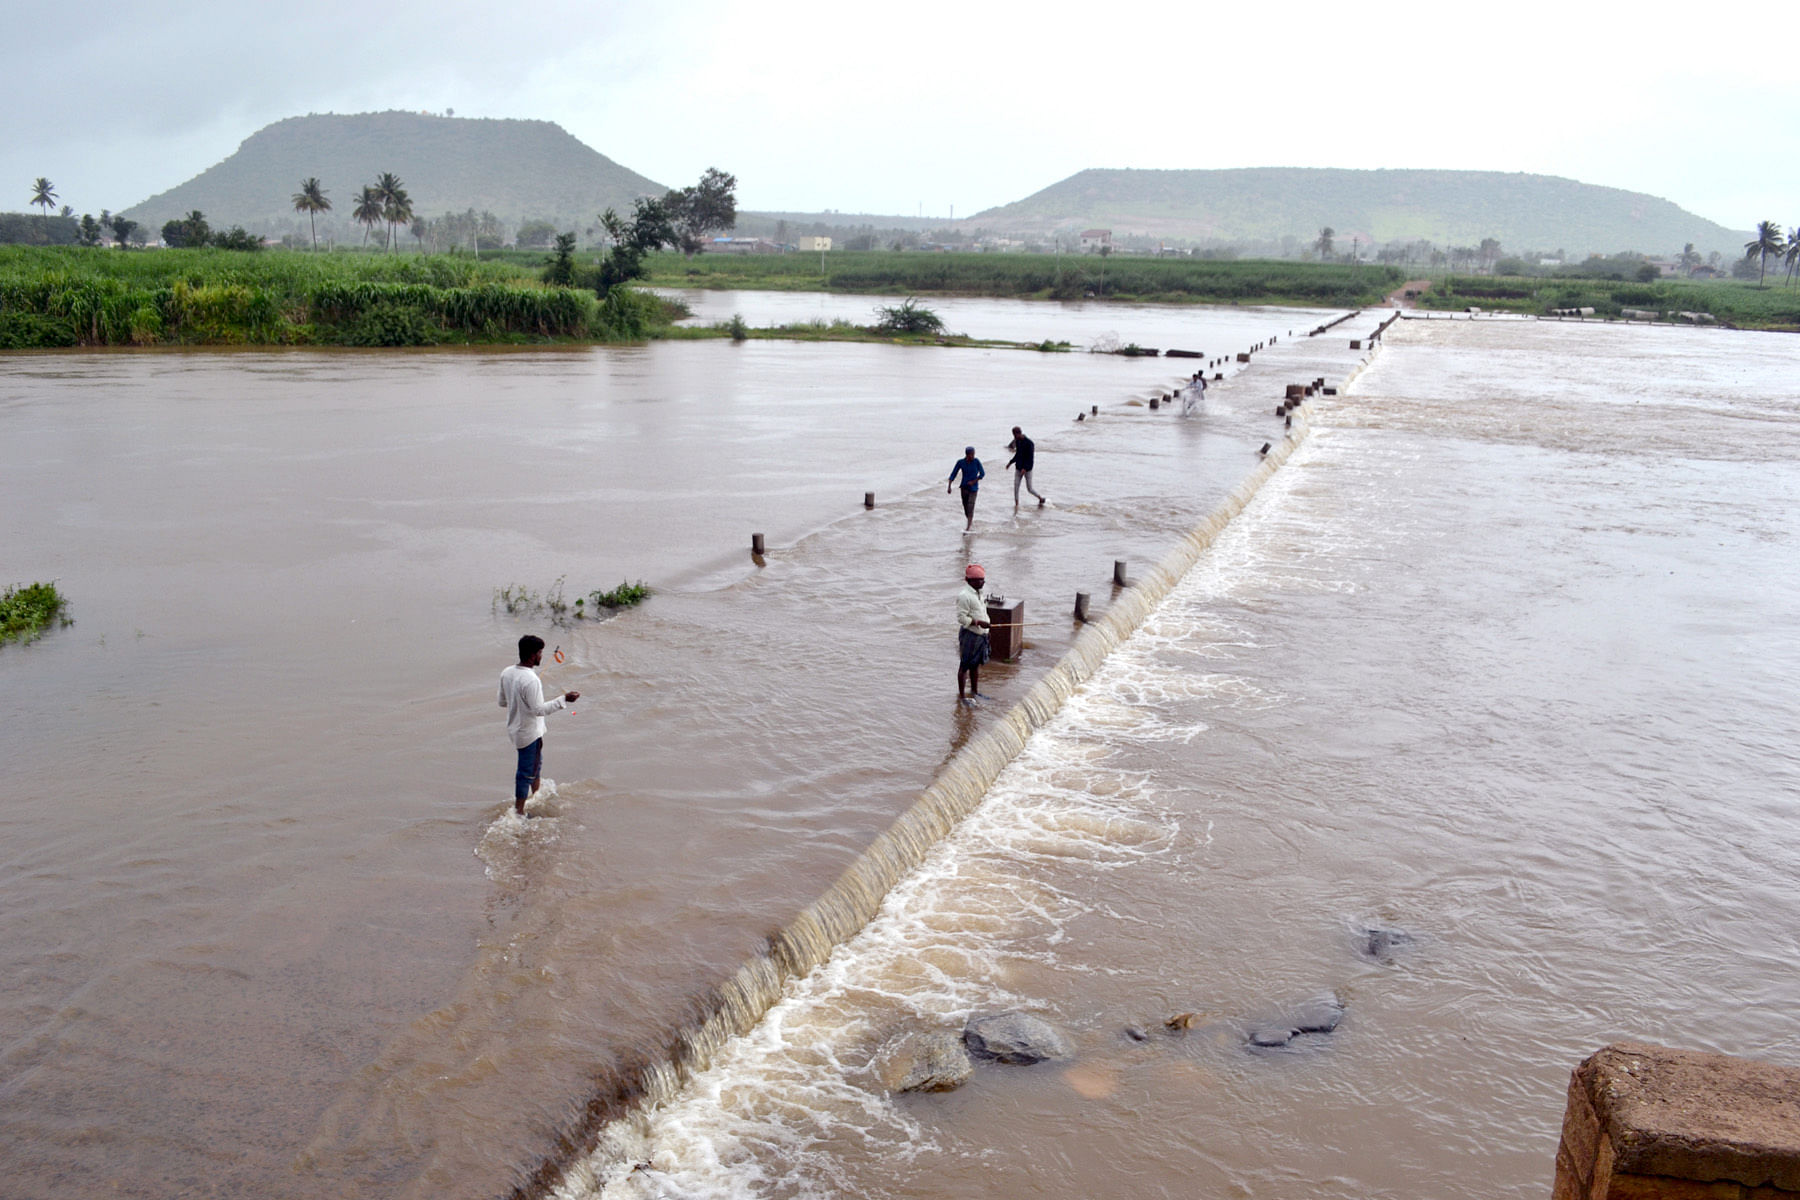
(975, 572)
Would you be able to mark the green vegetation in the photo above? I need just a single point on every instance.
(707, 207)
(623, 596)
(25, 612)
(312, 200)
(57, 297)
(1736, 303)
(20, 229)
(519, 600)
(193, 232)
(840, 330)
(909, 316)
(1036, 276)
(1768, 240)
(43, 195)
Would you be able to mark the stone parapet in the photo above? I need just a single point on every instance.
(1650, 1123)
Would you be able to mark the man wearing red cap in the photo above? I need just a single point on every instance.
(971, 633)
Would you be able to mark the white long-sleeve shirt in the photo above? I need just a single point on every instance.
(522, 696)
(970, 608)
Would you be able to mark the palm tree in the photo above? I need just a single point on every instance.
(1767, 241)
(43, 193)
(399, 211)
(1323, 242)
(393, 201)
(1791, 255)
(368, 211)
(310, 199)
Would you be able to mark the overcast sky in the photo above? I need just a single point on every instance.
(908, 109)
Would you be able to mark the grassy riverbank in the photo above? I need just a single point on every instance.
(845, 331)
(1743, 305)
(25, 612)
(75, 296)
(1035, 277)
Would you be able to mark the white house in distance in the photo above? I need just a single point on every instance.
(745, 245)
(1095, 239)
(813, 243)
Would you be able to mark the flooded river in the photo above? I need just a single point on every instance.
(1498, 666)
(1499, 663)
(260, 929)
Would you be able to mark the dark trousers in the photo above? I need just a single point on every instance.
(531, 764)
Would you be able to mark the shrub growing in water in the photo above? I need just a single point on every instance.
(26, 611)
(909, 316)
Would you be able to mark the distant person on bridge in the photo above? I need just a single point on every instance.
(969, 467)
(522, 696)
(1024, 456)
(971, 634)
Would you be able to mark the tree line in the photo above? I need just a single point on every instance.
(1770, 242)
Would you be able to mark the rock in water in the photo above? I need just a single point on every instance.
(1268, 1037)
(923, 1062)
(1380, 944)
(1016, 1037)
(1320, 1014)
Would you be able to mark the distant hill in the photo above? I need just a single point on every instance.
(1263, 205)
(515, 169)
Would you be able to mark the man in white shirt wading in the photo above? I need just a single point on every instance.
(522, 696)
(971, 633)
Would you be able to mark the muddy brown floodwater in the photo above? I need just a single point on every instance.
(263, 928)
(1499, 663)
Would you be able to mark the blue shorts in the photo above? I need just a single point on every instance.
(531, 765)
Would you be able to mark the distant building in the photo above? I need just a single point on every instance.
(726, 245)
(1095, 239)
(814, 244)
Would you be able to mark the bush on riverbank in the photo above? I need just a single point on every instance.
(57, 297)
(1732, 302)
(1037, 276)
(25, 612)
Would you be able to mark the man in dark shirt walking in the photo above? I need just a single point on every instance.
(1024, 455)
(969, 467)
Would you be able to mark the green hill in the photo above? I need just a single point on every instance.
(1262, 206)
(515, 169)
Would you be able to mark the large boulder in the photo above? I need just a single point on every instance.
(1016, 1037)
(923, 1062)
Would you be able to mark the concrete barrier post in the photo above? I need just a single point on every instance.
(756, 543)
(1650, 1123)
(1119, 572)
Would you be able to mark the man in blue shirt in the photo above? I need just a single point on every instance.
(969, 467)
